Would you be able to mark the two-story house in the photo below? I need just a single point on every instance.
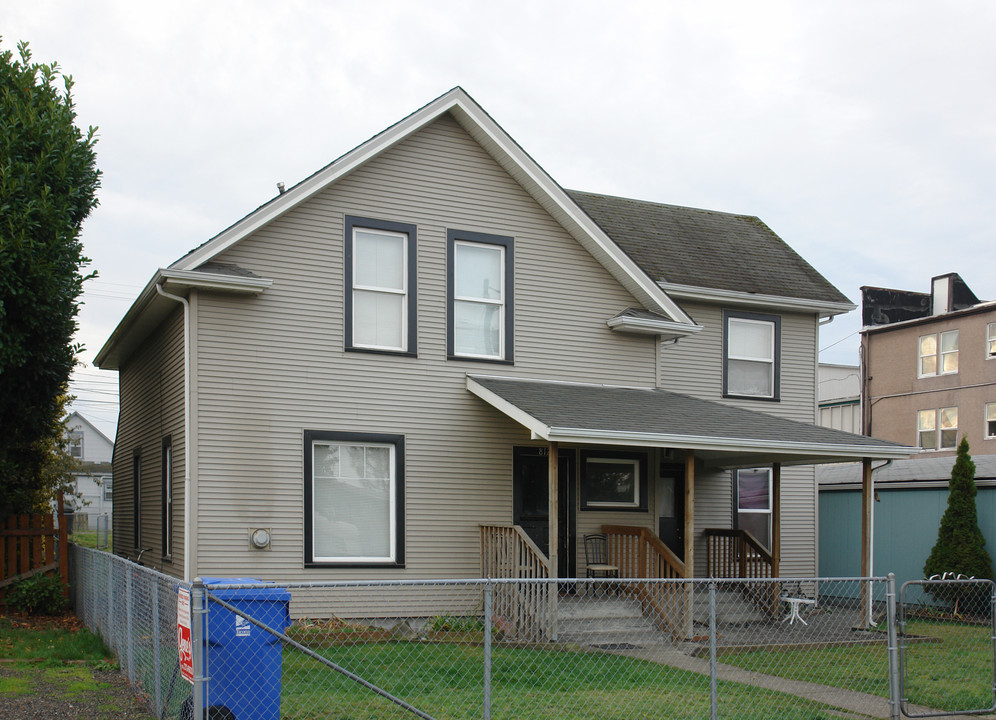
(428, 350)
(928, 378)
(94, 481)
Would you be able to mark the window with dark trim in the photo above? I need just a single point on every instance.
(380, 295)
(753, 503)
(751, 355)
(167, 497)
(136, 499)
(479, 296)
(354, 499)
(614, 480)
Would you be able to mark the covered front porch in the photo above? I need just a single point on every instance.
(701, 440)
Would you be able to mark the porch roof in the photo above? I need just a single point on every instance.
(721, 435)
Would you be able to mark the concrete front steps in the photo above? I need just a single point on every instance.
(606, 621)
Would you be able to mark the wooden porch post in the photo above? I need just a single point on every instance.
(866, 536)
(689, 538)
(553, 515)
(776, 518)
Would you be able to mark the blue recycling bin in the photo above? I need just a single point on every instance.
(243, 662)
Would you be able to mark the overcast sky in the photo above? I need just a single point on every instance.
(863, 133)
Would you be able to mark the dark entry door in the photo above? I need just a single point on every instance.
(530, 502)
(671, 508)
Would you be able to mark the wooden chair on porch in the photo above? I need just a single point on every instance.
(596, 557)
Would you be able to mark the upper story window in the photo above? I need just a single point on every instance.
(108, 487)
(990, 421)
(76, 444)
(380, 298)
(752, 348)
(479, 296)
(991, 340)
(937, 429)
(938, 353)
(354, 498)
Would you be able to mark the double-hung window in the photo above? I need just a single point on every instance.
(76, 444)
(167, 497)
(937, 429)
(479, 296)
(754, 503)
(752, 347)
(353, 499)
(380, 273)
(991, 340)
(938, 354)
(991, 421)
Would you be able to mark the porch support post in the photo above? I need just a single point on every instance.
(554, 519)
(867, 500)
(776, 518)
(689, 539)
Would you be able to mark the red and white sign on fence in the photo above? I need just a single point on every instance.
(183, 635)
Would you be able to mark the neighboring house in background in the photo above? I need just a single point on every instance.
(929, 376)
(839, 396)
(94, 483)
(400, 361)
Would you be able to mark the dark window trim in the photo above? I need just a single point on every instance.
(776, 320)
(167, 499)
(310, 436)
(452, 236)
(136, 498)
(642, 459)
(412, 270)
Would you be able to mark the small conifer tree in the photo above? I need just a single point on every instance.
(961, 547)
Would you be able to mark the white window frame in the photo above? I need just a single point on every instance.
(935, 417)
(403, 291)
(498, 303)
(989, 431)
(938, 354)
(394, 555)
(107, 486)
(637, 482)
(769, 511)
(76, 444)
(991, 341)
(773, 349)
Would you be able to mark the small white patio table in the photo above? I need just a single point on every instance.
(794, 605)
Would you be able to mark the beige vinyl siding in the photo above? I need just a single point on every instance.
(273, 366)
(695, 366)
(151, 397)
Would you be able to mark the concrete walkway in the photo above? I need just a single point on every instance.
(853, 704)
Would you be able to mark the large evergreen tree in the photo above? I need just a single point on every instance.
(960, 546)
(48, 186)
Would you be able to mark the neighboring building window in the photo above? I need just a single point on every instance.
(991, 340)
(136, 475)
(479, 296)
(754, 503)
(167, 478)
(938, 353)
(108, 488)
(76, 444)
(937, 429)
(354, 498)
(613, 480)
(990, 420)
(751, 345)
(380, 274)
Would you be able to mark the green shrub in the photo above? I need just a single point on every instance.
(37, 595)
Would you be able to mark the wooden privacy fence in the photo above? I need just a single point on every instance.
(31, 544)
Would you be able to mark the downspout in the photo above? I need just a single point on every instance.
(187, 440)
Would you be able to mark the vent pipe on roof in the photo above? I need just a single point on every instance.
(281, 188)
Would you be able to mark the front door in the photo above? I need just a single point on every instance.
(671, 508)
(530, 502)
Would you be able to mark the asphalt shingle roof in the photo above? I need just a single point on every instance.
(704, 248)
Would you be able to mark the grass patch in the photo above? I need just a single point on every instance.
(446, 680)
(88, 539)
(50, 641)
(15, 686)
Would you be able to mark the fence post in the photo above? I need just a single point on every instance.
(895, 699)
(112, 635)
(198, 611)
(488, 612)
(156, 676)
(130, 623)
(713, 699)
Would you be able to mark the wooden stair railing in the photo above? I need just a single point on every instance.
(523, 609)
(639, 553)
(738, 554)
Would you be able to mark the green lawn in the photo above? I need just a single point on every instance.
(446, 681)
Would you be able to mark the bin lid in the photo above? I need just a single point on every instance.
(271, 593)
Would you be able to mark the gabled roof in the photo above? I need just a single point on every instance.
(722, 435)
(75, 415)
(685, 248)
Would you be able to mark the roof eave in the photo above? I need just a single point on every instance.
(825, 308)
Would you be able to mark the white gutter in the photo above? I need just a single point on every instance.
(738, 297)
(188, 503)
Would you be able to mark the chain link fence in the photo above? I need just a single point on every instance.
(787, 648)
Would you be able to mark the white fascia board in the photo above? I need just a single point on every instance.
(147, 295)
(538, 430)
(719, 444)
(187, 279)
(647, 326)
(735, 297)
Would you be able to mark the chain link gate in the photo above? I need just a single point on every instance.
(947, 647)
